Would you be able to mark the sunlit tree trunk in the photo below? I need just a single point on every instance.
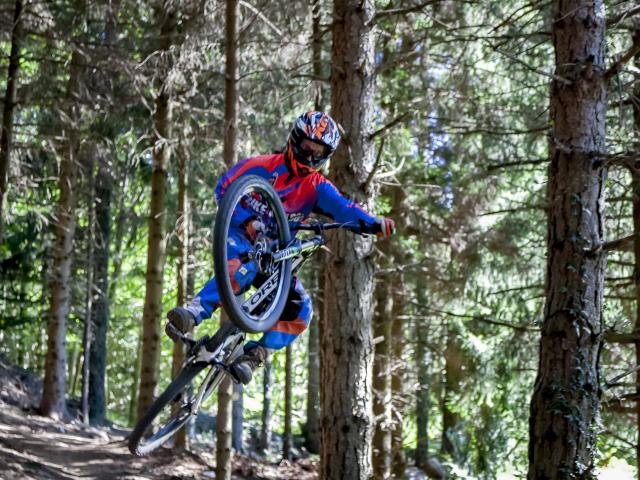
(53, 395)
(230, 153)
(382, 321)
(635, 187)
(152, 312)
(286, 441)
(312, 429)
(346, 346)
(6, 135)
(183, 214)
(398, 394)
(566, 397)
(267, 386)
(237, 421)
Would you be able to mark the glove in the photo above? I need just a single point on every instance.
(387, 227)
(255, 228)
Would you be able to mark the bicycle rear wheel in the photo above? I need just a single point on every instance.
(247, 198)
(173, 408)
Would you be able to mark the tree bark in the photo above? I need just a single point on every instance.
(382, 373)
(237, 422)
(6, 136)
(316, 53)
(398, 400)
(223, 430)
(422, 395)
(312, 429)
(100, 311)
(288, 379)
(566, 397)
(182, 268)
(156, 242)
(88, 331)
(53, 395)
(635, 188)
(452, 377)
(267, 385)
(230, 153)
(346, 346)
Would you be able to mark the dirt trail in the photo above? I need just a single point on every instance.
(38, 448)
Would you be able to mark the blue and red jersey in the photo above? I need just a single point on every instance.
(300, 195)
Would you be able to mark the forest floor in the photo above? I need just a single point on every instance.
(35, 447)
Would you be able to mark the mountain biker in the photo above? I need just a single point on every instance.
(303, 190)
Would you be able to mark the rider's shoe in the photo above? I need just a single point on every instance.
(242, 369)
(182, 319)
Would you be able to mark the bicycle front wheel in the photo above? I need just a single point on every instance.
(167, 414)
(252, 197)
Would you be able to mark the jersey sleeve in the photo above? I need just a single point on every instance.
(332, 204)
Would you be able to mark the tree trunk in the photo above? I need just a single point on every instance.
(237, 422)
(100, 311)
(53, 395)
(267, 385)
(635, 188)
(182, 268)
(453, 361)
(135, 382)
(223, 430)
(398, 400)
(382, 373)
(87, 333)
(566, 397)
(312, 429)
(288, 379)
(423, 403)
(316, 53)
(230, 152)
(6, 136)
(346, 346)
(156, 242)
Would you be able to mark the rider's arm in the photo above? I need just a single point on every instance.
(331, 203)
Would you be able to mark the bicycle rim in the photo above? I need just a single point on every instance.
(254, 196)
(167, 414)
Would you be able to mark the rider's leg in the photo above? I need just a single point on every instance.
(207, 300)
(294, 320)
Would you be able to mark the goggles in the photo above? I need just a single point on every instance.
(312, 154)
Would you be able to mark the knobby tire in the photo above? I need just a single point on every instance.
(140, 446)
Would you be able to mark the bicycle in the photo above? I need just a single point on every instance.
(278, 257)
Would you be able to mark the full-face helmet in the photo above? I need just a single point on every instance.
(313, 139)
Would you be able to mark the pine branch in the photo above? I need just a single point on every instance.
(613, 21)
(615, 68)
(404, 10)
(391, 124)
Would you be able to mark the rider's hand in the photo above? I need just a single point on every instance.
(255, 228)
(387, 227)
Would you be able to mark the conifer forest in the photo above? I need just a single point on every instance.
(494, 335)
